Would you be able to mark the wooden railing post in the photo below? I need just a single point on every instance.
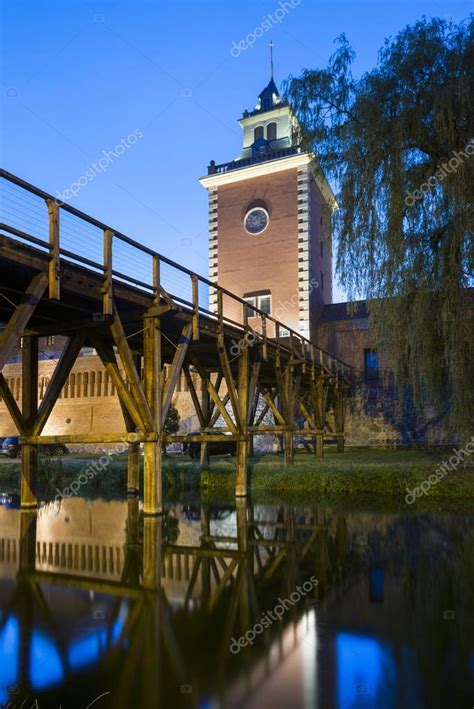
(220, 309)
(264, 335)
(156, 280)
(54, 269)
(245, 315)
(195, 289)
(107, 300)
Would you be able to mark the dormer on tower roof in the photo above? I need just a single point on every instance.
(268, 100)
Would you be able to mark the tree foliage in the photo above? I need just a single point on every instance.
(407, 250)
(172, 421)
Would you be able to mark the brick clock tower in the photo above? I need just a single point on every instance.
(270, 220)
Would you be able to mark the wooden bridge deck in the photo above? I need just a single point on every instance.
(157, 313)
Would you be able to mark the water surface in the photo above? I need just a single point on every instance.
(346, 609)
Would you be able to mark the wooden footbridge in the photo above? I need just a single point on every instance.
(65, 273)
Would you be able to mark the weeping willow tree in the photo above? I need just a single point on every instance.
(397, 143)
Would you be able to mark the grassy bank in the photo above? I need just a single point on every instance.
(372, 472)
(382, 475)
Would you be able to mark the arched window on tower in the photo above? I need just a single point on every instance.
(271, 131)
(258, 133)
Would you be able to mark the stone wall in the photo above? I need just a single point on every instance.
(376, 413)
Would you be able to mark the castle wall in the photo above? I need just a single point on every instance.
(376, 414)
(88, 403)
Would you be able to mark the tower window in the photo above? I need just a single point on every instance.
(50, 341)
(271, 131)
(321, 249)
(258, 133)
(265, 303)
(321, 280)
(260, 302)
(251, 304)
(371, 365)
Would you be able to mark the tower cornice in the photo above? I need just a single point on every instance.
(268, 167)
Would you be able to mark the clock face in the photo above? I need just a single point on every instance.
(256, 220)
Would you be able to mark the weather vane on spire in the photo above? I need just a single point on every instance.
(271, 59)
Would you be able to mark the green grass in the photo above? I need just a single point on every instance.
(380, 473)
(371, 475)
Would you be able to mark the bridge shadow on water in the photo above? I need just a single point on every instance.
(234, 606)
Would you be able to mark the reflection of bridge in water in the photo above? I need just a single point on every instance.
(101, 597)
(206, 572)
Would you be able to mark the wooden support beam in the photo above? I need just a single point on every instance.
(195, 398)
(289, 448)
(133, 471)
(107, 356)
(130, 425)
(339, 414)
(281, 385)
(176, 368)
(318, 393)
(206, 413)
(243, 403)
(54, 266)
(19, 320)
(12, 406)
(91, 438)
(253, 400)
(133, 377)
(29, 380)
(307, 415)
(272, 406)
(261, 415)
(29, 453)
(253, 386)
(217, 387)
(153, 376)
(229, 379)
(200, 437)
(287, 391)
(221, 407)
(216, 413)
(57, 382)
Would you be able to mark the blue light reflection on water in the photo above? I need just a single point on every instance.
(9, 656)
(46, 667)
(366, 673)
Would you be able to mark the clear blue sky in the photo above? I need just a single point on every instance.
(79, 76)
